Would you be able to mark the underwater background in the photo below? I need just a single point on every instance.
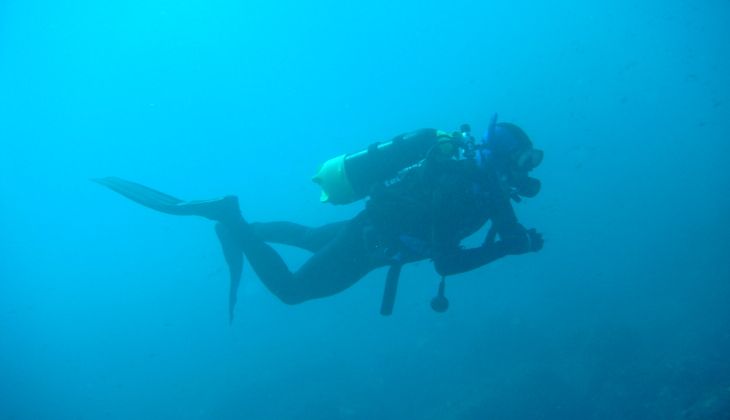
(111, 311)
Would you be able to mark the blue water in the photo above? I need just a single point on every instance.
(111, 311)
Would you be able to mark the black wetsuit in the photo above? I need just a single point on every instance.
(425, 214)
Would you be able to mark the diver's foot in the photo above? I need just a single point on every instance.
(224, 210)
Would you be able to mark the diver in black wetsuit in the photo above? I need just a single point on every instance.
(422, 212)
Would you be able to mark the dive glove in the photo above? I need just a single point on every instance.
(522, 241)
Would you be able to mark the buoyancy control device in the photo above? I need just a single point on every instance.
(350, 177)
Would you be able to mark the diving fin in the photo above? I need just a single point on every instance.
(145, 196)
(220, 209)
(234, 258)
(223, 210)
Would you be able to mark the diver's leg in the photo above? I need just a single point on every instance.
(335, 267)
(300, 236)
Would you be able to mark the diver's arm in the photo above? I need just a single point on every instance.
(456, 260)
(514, 240)
(448, 255)
(514, 237)
(460, 260)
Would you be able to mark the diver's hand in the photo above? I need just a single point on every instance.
(536, 240)
(522, 241)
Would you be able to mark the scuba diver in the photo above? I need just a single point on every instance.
(427, 190)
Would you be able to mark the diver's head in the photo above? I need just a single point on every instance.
(509, 151)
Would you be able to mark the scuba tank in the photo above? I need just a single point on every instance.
(350, 177)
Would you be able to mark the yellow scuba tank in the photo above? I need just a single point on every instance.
(350, 177)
